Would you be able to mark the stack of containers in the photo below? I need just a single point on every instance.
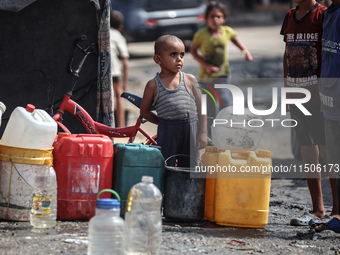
(25, 150)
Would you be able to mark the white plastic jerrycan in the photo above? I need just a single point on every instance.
(2, 110)
(30, 128)
(236, 132)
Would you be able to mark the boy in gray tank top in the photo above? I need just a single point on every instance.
(182, 129)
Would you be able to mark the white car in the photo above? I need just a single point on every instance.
(146, 20)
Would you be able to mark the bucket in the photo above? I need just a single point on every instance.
(242, 193)
(83, 164)
(183, 194)
(18, 169)
(29, 128)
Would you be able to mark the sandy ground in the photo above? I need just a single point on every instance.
(288, 198)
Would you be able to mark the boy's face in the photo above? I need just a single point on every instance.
(171, 57)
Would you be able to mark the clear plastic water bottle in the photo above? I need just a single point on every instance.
(44, 202)
(143, 218)
(106, 228)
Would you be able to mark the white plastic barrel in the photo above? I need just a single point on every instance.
(2, 110)
(236, 132)
(29, 128)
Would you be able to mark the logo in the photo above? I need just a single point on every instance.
(239, 102)
(204, 97)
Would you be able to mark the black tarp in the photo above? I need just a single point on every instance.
(35, 46)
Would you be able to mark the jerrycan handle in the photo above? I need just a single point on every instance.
(240, 154)
(109, 190)
(31, 109)
(184, 155)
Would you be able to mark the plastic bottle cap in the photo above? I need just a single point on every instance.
(108, 203)
(30, 108)
(147, 178)
(2, 107)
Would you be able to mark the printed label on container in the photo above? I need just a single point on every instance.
(85, 179)
(129, 202)
(41, 205)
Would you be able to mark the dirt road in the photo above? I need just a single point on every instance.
(288, 196)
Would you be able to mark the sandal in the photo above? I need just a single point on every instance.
(324, 219)
(333, 224)
(303, 220)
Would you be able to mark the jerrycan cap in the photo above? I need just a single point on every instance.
(108, 203)
(30, 108)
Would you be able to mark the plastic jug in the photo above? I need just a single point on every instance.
(210, 158)
(131, 162)
(29, 128)
(143, 218)
(242, 189)
(236, 132)
(83, 163)
(2, 110)
(106, 228)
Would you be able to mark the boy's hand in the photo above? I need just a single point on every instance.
(210, 69)
(247, 55)
(202, 141)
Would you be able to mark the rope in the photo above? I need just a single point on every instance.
(21, 175)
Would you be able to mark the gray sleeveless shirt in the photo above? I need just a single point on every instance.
(174, 104)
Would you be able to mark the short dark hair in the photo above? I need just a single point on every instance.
(216, 4)
(116, 19)
(164, 40)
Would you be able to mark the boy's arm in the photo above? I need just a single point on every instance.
(207, 67)
(243, 48)
(202, 134)
(145, 107)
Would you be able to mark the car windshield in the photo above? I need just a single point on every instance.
(155, 5)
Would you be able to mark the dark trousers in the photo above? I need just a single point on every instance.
(178, 137)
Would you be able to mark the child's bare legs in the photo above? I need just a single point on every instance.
(120, 112)
(335, 210)
(332, 180)
(310, 156)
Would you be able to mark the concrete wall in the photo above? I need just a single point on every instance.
(35, 47)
